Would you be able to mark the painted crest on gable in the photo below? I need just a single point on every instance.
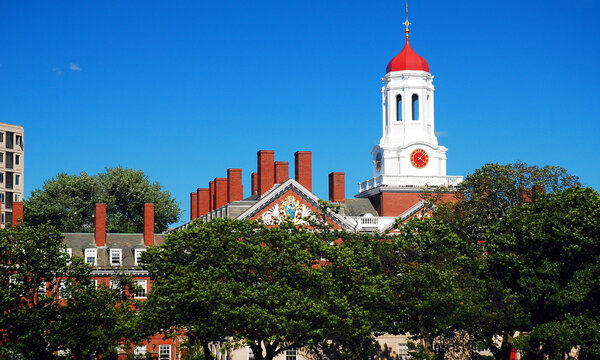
(288, 209)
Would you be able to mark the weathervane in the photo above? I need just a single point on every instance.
(406, 23)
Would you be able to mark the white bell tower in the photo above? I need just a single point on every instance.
(408, 154)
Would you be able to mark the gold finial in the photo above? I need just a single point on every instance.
(406, 23)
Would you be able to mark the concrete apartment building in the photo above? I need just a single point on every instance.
(12, 165)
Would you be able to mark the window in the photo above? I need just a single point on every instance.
(139, 352)
(1, 137)
(138, 256)
(1, 181)
(403, 353)
(415, 107)
(41, 291)
(17, 179)
(69, 253)
(399, 108)
(164, 352)
(19, 139)
(1, 157)
(62, 290)
(115, 257)
(95, 282)
(291, 354)
(90, 256)
(142, 288)
(17, 159)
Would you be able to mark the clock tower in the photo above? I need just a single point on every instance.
(408, 156)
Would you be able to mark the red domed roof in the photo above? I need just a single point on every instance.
(408, 59)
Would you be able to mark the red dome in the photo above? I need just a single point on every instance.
(408, 59)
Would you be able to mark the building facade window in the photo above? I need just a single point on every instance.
(415, 107)
(138, 256)
(17, 179)
(403, 353)
(91, 256)
(291, 354)
(142, 288)
(1, 181)
(399, 108)
(139, 352)
(115, 257)
(19, 139)
(164, 352)
(62, 289)
(1, 137)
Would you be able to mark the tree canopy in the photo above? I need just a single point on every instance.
(48, 301)
(67, 201)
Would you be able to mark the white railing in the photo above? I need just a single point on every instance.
(369, 221)
(409, 181)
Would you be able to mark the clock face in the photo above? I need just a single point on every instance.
(419, 158)
(378, 161)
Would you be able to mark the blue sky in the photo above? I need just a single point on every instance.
(186, 89)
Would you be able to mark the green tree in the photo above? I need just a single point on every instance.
(67, 201)
(481, 201)
(265, 287)
(48, 302)
(547, 255)
(434, 284)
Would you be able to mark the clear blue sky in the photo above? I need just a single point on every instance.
(186, 89)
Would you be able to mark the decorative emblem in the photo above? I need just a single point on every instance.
(290, 209)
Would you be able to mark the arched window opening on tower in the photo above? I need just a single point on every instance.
(415, 107)
(399, 107)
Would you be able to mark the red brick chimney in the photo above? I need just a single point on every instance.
(100, 224)
(211, 195)
(235, 189)
(337, 187)
(303, 161)
(149, 224)
(220, 192)
(17, 213)
(193, 205)
(266, 171)
(203, 201)
(254, 177)
(282, 171)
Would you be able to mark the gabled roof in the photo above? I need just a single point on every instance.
(279, 190)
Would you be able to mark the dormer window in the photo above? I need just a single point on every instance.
(138, 256)
(115, 257)
(91, 256)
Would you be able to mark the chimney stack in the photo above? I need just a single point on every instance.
(266, 171)
(254, 177)
(211, 195)
(220, 192)
(337, 187)
(303, 164)
(282, 171)
(193, 205)
(100, 224)
(17, 214)
(203, 201)
(235, 190)
(149, 224)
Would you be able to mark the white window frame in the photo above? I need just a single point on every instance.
(138, 256)
(291, 354)
(42, 289)
(89, 253)
(144, 285)
(403, 352)
(114, 284)
(164, 352)
(114, 253)
(62, 289)
(139, 351)
(95, 283)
